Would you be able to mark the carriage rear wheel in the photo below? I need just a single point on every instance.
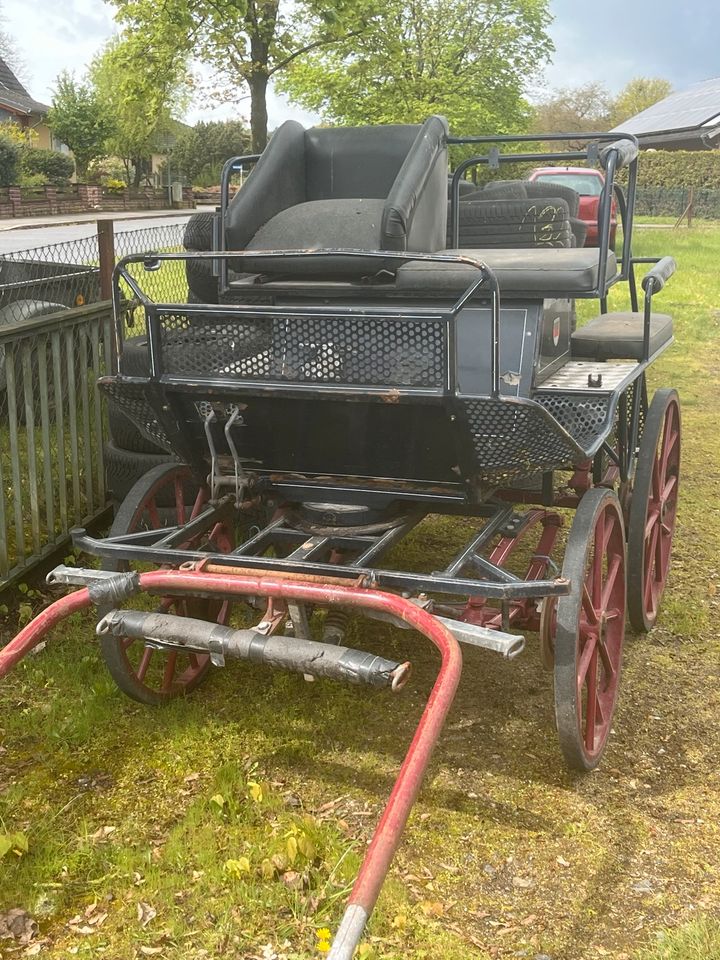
(653, 509)
(588, 629)
(145, 673)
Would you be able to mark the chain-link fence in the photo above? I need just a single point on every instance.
(55, 341)
(673, 202)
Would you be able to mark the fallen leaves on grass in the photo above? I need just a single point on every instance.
(17, 924)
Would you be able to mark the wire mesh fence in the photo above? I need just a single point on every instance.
(672, 202)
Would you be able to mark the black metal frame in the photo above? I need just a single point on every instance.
(158, 547)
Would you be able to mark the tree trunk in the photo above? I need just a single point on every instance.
(258, 82)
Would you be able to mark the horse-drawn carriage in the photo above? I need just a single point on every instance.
(386, 344)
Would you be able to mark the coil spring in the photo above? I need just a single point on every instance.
(336, 623)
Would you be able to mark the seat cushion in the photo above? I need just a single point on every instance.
(529, 273)
(619, 336)
(350, 224)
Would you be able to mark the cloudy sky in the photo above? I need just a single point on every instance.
(607, 40)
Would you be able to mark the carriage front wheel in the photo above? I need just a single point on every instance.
(165, 496)
(588, 629)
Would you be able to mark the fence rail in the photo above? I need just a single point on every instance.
(56, 339)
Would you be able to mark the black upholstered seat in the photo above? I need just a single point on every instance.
(619, 336)
(359, 188)
(536, 272)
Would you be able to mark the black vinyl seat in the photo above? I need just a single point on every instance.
(619, 336)
(522, 273)
(359, 188)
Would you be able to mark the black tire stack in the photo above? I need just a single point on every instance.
(202, 285)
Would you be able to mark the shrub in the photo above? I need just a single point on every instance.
(53, 166)
(9, 162)
(103, 169)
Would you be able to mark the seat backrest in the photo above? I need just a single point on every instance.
(344, 163)
(367, 188)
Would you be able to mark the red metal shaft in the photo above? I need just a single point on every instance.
(32, 634)
(407, 786)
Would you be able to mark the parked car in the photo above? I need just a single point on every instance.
(589, 184)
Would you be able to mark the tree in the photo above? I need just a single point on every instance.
(639, 94)
(200, 152)
(467, 60)
(245, 43)
(141, 103)
(9, 51)
(80, 119)
(580, 109)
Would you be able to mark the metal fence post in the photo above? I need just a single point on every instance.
(106, 252)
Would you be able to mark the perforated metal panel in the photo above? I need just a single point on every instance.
(585, 418)
(357, 351)
(130, 398)
(512, 440)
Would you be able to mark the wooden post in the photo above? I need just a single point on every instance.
(106, 250)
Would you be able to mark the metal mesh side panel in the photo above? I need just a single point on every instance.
(510, 440)
(585, 418)
(130, 398)
(357, 351)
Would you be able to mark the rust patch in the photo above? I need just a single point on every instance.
(392, 396)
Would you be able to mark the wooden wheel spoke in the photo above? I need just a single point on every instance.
(179, 500)
(589, 607)
(145, 659)
(154, 514)
(169, 672)
(614, 568)
(587, 658)
(591, 705)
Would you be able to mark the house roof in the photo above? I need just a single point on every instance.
(14, 95)
(689, 119)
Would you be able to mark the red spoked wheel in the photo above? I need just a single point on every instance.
(653, 509)
(588, 629)
(143, 672)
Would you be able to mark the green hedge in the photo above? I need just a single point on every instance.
(679, 168)
(55, 167)
(9, 162)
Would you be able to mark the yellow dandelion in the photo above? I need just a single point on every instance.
(324, 946)
(323, 933)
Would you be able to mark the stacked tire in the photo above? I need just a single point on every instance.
(202, 285)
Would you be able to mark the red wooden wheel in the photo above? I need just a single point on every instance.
(145, 673)
(589, 629)
(653, 509)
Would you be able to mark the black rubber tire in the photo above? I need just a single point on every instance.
(579, 553)
(200, 280)
(202, 285)
(128, 519)
(641, 618)
(123, 468)
(198, 232)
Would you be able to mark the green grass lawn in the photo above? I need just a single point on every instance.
(233, 823)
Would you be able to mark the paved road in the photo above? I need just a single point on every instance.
(40, 236)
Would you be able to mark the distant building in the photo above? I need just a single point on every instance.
(17, 105)
(688, 120)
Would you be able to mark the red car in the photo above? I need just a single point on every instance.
(588, 183)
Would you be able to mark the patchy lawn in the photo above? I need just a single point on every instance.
(232, 824)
